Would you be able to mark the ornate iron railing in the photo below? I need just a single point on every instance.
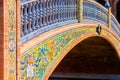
(39, 16)
(94, 12)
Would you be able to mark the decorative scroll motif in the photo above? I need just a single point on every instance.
(11, 39)
(41, 57)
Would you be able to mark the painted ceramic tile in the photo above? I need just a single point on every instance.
(12, 39)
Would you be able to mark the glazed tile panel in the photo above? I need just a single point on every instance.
(11, 39)
(36, 62)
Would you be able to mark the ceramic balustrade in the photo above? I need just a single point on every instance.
(39, 16)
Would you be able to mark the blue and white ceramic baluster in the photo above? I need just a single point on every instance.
(47, 12)
(61, 1)
(44, 13)
(59, 10)
(75, 12)
(22, 20)
(50, 8)
(66, 9)
(67, 2)
(62, 10)
(46, 17)
(33, 16)
(37, 14)
(50, 11)
(70, 9)
(53, 11)
(25, 19)
(56, 10)
(30, 17)
(41, 13)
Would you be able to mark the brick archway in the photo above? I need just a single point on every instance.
(59, 43)
(94, 55)
(73, 45)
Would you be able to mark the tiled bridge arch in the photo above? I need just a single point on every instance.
(48, 52)
(36, 33)
(49, 33)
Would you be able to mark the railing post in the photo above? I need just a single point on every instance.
(107, 5)
(80, 10)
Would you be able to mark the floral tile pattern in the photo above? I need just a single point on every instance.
(11, 39)
(36, 62)
(39, 59)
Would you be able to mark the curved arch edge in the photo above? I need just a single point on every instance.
(40, 55)
(55, 64)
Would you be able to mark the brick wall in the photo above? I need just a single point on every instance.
(1, 40)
